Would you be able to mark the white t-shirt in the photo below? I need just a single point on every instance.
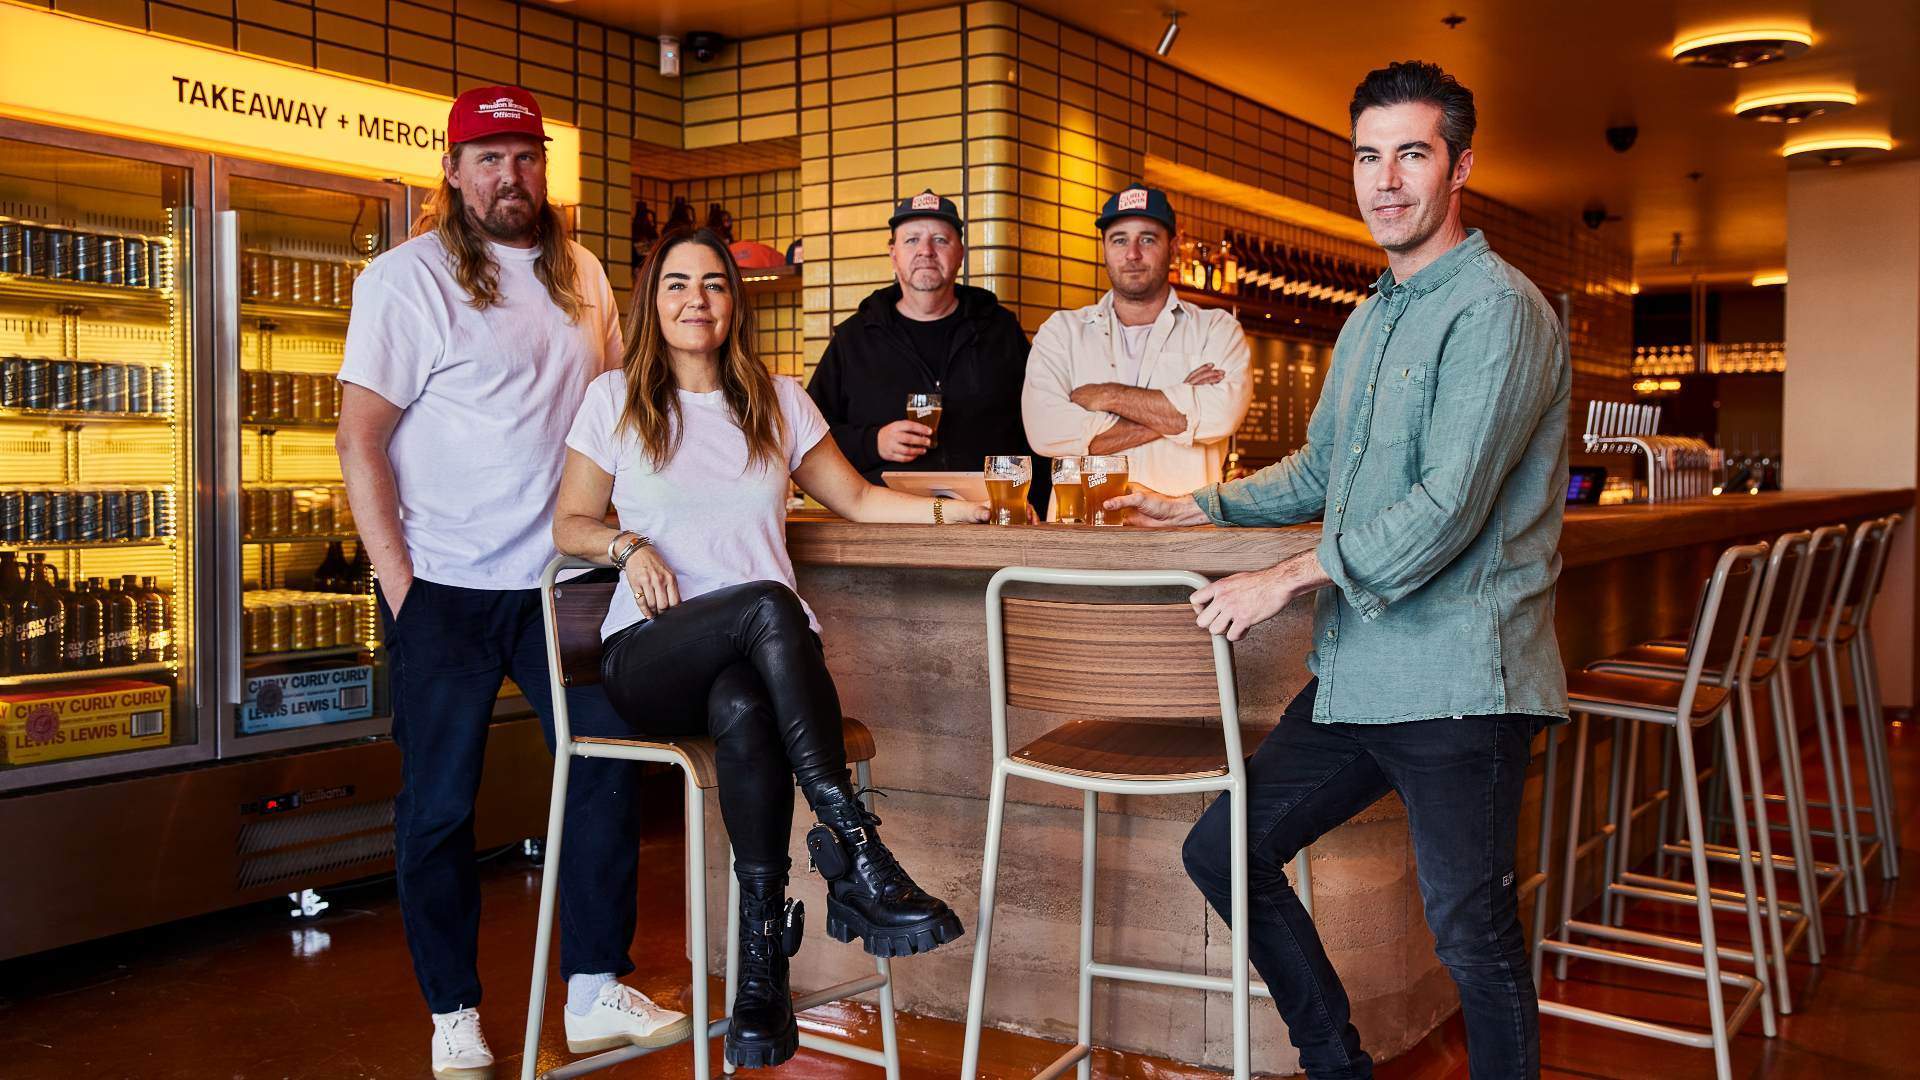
(713, 522)
(1133, 349)
(488, 396)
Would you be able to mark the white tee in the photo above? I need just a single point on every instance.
(713, 522)
(1133, 349)
(487, 397)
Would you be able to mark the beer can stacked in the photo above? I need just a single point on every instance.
(270, 278)
(290, 620)
(89, 516)
(89, 256)
(280, 396)
(50, 384)
(295, 511)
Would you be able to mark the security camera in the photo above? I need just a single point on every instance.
(704, 45)
(1622, 137)
(1594, 216)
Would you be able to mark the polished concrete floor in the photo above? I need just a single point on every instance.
(254, 994)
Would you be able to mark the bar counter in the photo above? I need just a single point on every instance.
(901, 609)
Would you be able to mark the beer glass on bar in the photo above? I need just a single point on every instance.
(1105, 477)
(1008, 478)
(925, 409)
(1069, 490)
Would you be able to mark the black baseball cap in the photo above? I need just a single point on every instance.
(927, 205)
(1137, 200)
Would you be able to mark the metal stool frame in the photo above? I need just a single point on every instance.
(1005, 765)
(1710, 630)
(566, 748)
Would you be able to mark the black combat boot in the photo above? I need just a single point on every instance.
(762, 1030)
(868, 895)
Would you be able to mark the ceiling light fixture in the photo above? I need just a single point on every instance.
(1793, 106)
(1836, 149)
(1173, 31)
(1775, 277)
(1741, 48)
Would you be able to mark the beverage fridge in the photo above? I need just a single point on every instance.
(193, 691)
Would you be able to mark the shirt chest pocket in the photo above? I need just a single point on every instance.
(1405, 393)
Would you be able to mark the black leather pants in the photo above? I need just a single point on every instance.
(742, 665)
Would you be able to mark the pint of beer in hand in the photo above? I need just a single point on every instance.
(1105, 476)
(1008, 478)
(1069, 490)
(925, 409)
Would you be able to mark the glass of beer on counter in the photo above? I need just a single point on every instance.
(1069, 490)
(1105, 477)
(925, 409)
(1008, 478)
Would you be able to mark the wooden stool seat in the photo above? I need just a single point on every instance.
(1589, 689)
(1130, 750)
(698, 751)
(1663, 662)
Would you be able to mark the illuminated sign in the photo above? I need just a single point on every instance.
(161, 90)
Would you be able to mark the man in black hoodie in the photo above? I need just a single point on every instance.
(927, 334)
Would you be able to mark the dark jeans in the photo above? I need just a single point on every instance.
(451, 647)
(1461, 781)
(742, 665)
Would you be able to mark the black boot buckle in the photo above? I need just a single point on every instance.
(828, 855)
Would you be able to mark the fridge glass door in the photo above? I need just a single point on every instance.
(97, 525)
(310, 665)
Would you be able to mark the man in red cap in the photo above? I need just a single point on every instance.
(469, 350)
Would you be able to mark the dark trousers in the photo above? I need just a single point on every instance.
(742, 665)
(1461, 781)
(450, 649)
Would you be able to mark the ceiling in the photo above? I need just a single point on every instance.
(1549, 78)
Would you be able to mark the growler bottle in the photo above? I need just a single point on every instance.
(124, 632)
(156, 620)
(86, 626)
(333, 573)
(39, 621)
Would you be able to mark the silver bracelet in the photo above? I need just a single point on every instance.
(639, 541)
(611, 557)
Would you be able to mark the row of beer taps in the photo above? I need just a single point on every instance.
(1678, 467)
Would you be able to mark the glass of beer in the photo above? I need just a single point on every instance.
(1105, 477)
(1069, 490)
(925, 409)
(1008, 478)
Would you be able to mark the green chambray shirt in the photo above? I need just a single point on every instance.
(1437, 456)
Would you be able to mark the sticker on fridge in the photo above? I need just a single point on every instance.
(300, 699)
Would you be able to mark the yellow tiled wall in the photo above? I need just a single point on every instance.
(1030, 123)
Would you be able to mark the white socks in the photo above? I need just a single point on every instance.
(584, 990)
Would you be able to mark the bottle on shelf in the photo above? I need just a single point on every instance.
(39, 620)
(333, 573)
(11, 585)
(1279, 283)
(86, 626)
(124, 632)
(156, 620)
(1230, 264)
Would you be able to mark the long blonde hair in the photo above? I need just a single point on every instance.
(445, 213)
(653, 407)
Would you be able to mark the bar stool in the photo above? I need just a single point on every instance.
(573, 611)
(1124, 663)
(1763, 657)
(1725, 613)
(1846, 627)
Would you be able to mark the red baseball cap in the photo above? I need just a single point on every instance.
(494, 110)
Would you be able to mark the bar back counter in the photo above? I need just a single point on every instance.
(902, 610)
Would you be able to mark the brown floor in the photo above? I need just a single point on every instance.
(252, 994)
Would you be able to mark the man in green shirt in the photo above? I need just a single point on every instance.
(1437, 459)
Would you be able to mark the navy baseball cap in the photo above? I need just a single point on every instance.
(927, 205)
(1137, 200)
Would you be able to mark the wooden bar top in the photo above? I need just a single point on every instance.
(1593, 534)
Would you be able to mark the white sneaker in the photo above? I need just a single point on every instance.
(459, 1049)
(623, 1016)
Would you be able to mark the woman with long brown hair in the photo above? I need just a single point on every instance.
(692, 441)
